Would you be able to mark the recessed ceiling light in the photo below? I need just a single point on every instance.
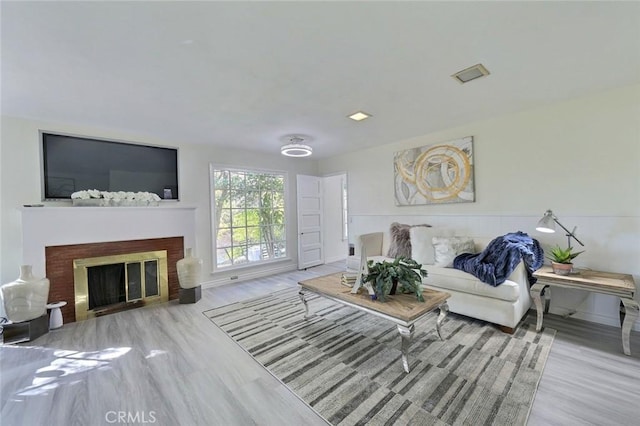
(359, 116)
(470, 73)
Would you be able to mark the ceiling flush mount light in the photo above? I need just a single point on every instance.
(548, 224)
(359, 116)
(295, 148)
(470, 73)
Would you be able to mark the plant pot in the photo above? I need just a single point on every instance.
(394, 287)
(561, 268)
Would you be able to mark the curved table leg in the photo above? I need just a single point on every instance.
(304, 301)
(444, 310)
(536, 294)
(547, 299)
(406, 333)
(631, 313)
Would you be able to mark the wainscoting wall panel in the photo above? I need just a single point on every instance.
(610, 244)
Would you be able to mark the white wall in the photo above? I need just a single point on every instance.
(20, 184)
(580, 158)
(334, 246)
(79, 226)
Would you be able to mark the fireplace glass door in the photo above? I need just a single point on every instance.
(111, 283)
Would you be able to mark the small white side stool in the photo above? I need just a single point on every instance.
(55, 319)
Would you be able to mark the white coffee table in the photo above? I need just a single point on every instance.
(402, 309)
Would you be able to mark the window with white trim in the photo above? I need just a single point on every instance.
(248, 216)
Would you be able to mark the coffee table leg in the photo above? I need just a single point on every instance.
(536, 291)
(406, 333)
(631, 312)
(304, 301)
(444, 310)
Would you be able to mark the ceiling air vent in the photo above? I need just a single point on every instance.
(471, 73)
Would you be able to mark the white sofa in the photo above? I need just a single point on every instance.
(504, 305)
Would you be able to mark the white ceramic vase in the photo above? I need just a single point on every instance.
(25, 298)
(189, 270)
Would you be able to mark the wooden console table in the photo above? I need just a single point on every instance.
(620, 285)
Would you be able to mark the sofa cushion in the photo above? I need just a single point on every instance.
(377, 259)
(454, 279)
(421, 243)
(447, 248)
(353, 263)
(372, 242)
(401, 242)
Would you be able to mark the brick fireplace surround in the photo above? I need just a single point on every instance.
(59, 265)
(53, 236)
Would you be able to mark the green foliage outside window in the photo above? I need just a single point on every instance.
(249, 216)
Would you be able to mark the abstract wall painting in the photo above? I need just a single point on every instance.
(435, 174)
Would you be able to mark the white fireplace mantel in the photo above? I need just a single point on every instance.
(53, 226)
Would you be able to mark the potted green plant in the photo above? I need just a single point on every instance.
(561, 260)
(403, 274)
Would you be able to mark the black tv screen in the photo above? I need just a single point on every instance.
(73, 163)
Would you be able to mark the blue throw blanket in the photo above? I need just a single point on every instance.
(496, 262)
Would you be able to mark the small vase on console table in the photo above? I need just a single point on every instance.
(562, 268)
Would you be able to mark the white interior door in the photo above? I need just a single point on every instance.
(310, 221)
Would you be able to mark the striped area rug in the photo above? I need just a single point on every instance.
(346, 364)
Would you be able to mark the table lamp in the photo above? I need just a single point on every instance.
(548, 224)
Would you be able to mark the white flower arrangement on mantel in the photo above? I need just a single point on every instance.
(94, 197)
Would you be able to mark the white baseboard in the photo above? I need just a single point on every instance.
(335, 259)
(245, 275)
(613, 321)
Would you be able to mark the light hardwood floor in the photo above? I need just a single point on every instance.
(169, 365)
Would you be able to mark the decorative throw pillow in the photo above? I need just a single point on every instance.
(447, 248)
(401, 239)
(421, 245)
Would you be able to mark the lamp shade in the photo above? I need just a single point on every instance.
(547, 223)
(296, 150)
(295, 147)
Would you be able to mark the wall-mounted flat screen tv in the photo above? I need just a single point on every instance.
(75, 163)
